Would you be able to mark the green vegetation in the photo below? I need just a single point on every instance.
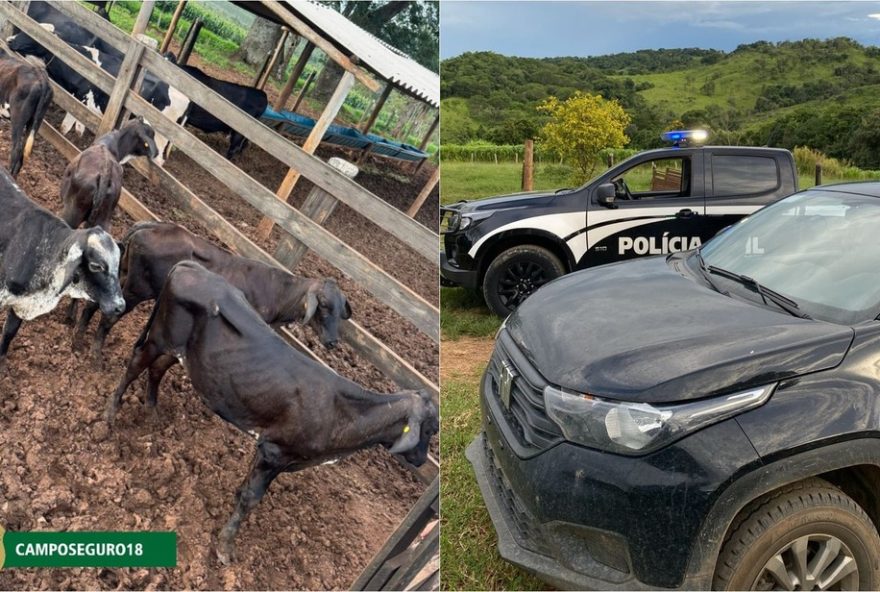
(467, 537)
(580, 127)
(821, 94)
(463, 312)
(475, 180)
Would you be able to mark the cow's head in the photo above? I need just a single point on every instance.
(93, 270)
(137, 138)
(422, 423)
(324, 305)
(27, 46)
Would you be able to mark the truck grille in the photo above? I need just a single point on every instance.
(526, 530)
(526, 413)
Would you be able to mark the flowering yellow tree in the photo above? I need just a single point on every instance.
(580, 127)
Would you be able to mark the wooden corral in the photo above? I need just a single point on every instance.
(409, 558)
(300, 226)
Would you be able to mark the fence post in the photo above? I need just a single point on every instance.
(318, 206)
(818, 173)
(528, 174)
(172, 26)
(424, 193)
(143, 17)
(189, 41)
(610, 159)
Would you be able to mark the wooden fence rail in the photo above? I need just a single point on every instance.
(390, 291)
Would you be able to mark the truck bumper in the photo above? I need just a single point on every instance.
(454, 275)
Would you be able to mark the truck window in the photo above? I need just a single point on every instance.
(743, 175)
(656, 179)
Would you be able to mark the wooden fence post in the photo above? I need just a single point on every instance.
(431, 129)
(318, 206)
(143, 17)
(424, 193)
(172, 26)
(297, 71)
(818, 173)
(264, 229)
(124, 80)
(189, 42)
(302, 92)
(528, 173)
(378, 107)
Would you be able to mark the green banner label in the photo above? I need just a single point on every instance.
(88, 549)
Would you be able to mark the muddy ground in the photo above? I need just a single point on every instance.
(62, 469)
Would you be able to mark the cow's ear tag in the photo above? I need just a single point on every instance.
(406, 428)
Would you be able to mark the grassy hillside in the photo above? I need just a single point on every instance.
(824, 94)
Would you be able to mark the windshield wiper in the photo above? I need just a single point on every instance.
(783, 302)
(704, 271)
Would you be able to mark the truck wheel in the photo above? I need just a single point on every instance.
(517, 272)
(806, 536)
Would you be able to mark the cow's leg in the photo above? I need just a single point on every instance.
(16, 152)
(266, 465)
(107, 322)
(10, 328)
(157, 372)
(88, 311)
(70, 319)
(141, 359)
(237, 143)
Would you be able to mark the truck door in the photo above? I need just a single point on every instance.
(659, 208)
(738, 184)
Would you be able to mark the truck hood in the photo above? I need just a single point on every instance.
(528, 199)
(642, 331)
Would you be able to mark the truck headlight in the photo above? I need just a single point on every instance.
(639, 428)
(472, 218)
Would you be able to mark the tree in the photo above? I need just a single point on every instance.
(582, 126)
(410, 26)
(262, 37)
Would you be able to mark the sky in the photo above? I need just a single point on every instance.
(546, 28)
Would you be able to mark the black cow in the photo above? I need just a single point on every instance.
(42, 259)
(46, 14)
(252, 101)
(25, 95)
(300, 413)
(151, 249)
(171, 102)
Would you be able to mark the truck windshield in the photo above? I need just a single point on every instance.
(818, 248)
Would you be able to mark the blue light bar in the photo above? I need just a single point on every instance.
(681, 137)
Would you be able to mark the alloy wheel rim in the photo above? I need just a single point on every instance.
(810, 562)
(519, 281)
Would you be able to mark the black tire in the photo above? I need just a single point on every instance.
(803, 520)
(517, 272)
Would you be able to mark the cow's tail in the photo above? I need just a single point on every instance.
(142, 338)
(42, 100)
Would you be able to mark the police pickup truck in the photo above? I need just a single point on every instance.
(656, 202)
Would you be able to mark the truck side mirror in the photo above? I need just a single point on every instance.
(606, 194)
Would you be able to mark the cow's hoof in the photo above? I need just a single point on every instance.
(225, 553)
(110, 415)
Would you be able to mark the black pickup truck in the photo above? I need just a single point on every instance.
(656, 202)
